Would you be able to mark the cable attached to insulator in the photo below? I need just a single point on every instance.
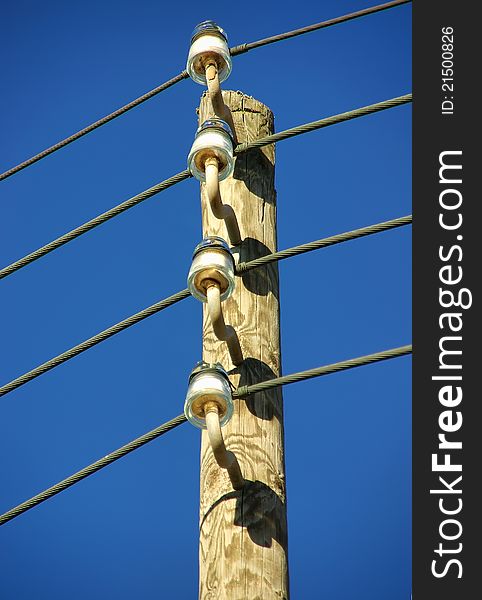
(209, 405)
(199, 420)
(240, 49)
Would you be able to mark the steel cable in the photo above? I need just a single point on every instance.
(247, 390)
(282, 135)
(75, 233)
(241, 49)
(91, 469)
(89, 128)
(241, 392)
(96, 339)
(314, 125)
(323, 243)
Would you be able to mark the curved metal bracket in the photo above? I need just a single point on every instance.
(220, 210)
(225, 459)
(214, 88)
(223, 332)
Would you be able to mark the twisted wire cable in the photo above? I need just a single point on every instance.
(93, 126)
(93, 341)
(91, 469)
(246, 390)
(326, 122)
(241, 49)
(78, 231)
(241, 392)
(282, 135)
(323, 243)
(241, 268)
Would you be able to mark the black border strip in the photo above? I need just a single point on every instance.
(445, 250)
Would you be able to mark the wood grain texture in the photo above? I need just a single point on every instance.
(243, 535)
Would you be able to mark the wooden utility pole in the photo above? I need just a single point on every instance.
(243, 534)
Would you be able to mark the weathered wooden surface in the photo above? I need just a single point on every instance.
(243, 535)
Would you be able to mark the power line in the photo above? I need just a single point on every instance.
(157, 307)
(241, 49)
(75, 233)
(96, 339)
(247, 390)
(282, 135)
(241, 392)
(93, 126)
(323, 243)
(314, 125)
(91, 469)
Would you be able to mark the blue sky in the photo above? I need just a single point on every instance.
(132, 529)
